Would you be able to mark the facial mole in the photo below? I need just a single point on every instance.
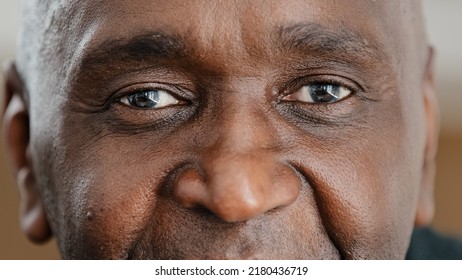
(89, 215)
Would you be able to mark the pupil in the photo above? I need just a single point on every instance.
(324, 93)
(145, 99)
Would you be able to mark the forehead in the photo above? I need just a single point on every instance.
(225, 30)
(227, 19)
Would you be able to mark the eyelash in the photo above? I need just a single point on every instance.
(300, 82)
(177, 92)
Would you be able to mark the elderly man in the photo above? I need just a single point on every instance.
(223, 129)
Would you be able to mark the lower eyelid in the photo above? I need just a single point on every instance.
(335, 113)
(134, 121)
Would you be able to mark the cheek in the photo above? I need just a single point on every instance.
(367, 206)
(365, 184)
(110, 195)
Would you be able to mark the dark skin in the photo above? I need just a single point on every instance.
(223, 130)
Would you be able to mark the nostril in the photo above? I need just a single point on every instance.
(203, 211)
(190, 190)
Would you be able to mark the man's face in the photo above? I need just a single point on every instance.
(229, 129)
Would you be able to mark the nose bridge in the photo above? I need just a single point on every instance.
(244, 124)
(244, 132)
(239, 166)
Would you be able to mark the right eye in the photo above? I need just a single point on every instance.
(149, 99)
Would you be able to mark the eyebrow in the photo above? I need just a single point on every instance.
(313, 37)
(156, 45)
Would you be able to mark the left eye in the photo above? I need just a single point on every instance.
(149, 99)
(319, 93)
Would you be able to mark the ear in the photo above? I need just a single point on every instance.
(34, 222)
(426, 207)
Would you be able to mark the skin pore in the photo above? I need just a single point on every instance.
(223, 129)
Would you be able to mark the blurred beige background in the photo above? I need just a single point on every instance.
(444, 24)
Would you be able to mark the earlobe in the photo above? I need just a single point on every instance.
(16, 137)
(34, 222)
(425, 208)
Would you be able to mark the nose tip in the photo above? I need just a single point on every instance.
(234, 209)
(238, 189)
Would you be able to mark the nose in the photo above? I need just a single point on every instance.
(238, 187)
(240, 177)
